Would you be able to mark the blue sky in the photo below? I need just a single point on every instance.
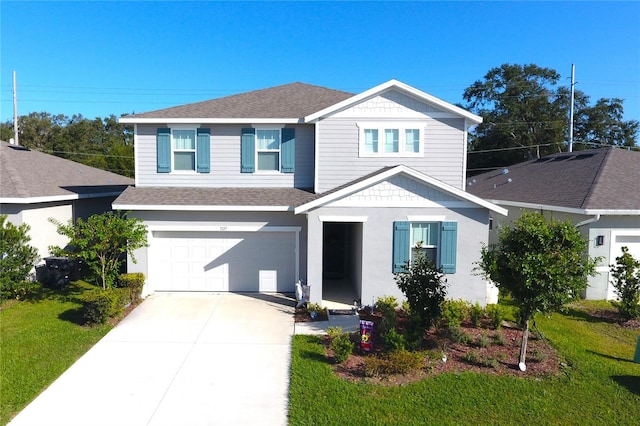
(102, 58)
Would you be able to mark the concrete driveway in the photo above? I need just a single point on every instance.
(180, 359)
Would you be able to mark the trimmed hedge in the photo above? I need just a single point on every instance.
(100, 305)
(134, 283)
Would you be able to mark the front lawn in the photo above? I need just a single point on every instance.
(600, 384)
(40, 339)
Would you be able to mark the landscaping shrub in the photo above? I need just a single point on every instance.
(499, 338)
(413, 333)
(496, 315)
(134, 283)
(393, 341)
(403, 361)
(626, 281)
(387, 306)
(314, 307)
(397, 362)
(476, 313)
(424, 287)
(483, 341)
(342, 347)
(334, 332)
(454, 312)
(99, 305)
(17, 258)
(457, 335)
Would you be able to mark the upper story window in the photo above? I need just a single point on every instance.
(393, 139)
(268, 150)
(183, 150)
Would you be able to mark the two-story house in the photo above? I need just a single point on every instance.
(254, 191)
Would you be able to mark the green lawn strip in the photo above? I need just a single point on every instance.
(40, 339)
(597, 387)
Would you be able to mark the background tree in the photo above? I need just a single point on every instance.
(101, 143)
(17, 259)
(103, 241)
(541, 264)
(626, 281)
(526, 112)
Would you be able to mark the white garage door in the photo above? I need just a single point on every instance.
(222, 261)
(632, 242)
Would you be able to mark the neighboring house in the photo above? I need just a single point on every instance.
(35, 186)
(598, 190)
(254, 191)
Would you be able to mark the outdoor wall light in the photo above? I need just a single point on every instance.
(600, 240)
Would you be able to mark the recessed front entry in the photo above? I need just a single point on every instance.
(341, 262)
(222, 261)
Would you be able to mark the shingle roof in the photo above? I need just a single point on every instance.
(606, 178)
(294, 100)
(213, 197)
(28, 174)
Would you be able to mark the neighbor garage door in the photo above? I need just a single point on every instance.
(222, 261)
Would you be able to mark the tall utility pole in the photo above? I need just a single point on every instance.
(573, 70)
(15, 112)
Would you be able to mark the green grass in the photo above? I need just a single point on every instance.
(601, 385)
(40, 339)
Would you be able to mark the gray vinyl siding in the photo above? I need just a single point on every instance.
(225, 161)
(339, 161)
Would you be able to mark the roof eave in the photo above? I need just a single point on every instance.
(472, 118)
(163, 120)
(54, 198)
(199, 208)
(573, 210)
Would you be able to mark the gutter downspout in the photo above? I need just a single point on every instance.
(588, 221)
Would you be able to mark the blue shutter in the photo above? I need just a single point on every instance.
(401, 245)
(288, 150)
(248, 151)
(203, 151)
(448, 247)
(163, 150)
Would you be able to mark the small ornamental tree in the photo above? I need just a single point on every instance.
(424, 286)
(102, 241)
(626, 281)
(17, 258)
(541, 264)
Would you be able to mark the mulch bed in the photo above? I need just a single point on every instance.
(542, 360)
(495, 358)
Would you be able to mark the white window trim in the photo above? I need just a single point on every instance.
(380, 126)
(194, 150)
(279, 150)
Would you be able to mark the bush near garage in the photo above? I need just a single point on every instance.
(100, 305)
(133, 282)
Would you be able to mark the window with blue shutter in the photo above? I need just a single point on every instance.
(163, 150)
(203, 151)
(288, 150)
(448, 247)
(401, 245)
(248, 151)
(437, 240)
